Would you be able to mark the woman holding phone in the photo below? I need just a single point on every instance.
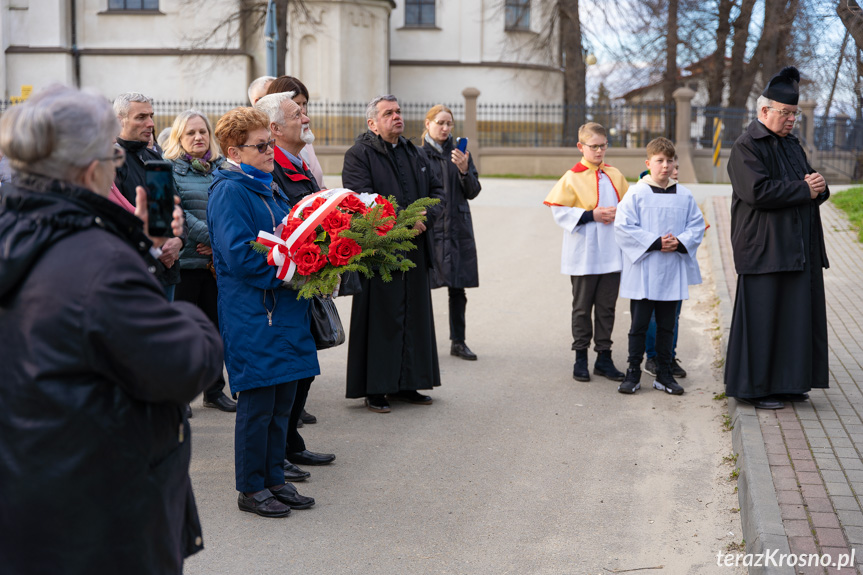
(455, 263)
(194, 156)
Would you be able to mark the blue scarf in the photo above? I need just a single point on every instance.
(266, 178)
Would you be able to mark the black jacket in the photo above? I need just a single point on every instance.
(766, 231)
(131, 175)
(296, 184)
(455, 246)
(369, 168)
(97, 366)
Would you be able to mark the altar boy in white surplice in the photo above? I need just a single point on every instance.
(658, 227)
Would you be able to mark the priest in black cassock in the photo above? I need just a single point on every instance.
(777, 349)
(392, 351)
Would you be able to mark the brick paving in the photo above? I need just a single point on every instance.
(814, 448)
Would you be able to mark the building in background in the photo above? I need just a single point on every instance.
(343, 50)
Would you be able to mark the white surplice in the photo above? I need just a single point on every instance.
(643, 216)
(589, 248)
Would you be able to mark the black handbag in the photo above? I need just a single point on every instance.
(350, 284)
(326, 324)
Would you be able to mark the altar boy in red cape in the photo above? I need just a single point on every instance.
(584, 202)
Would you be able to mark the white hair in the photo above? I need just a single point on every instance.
(372, 109)
(762, 102)
(162, 139)
(123, 102)
(259, 85)
(58, 131)
(271, 105)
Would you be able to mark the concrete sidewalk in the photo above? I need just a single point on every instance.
(801, 470)
(516, 468)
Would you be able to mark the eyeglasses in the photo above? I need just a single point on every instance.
(447, 124)
(596, 147)
(119, 157)
(785, 113)
(262, 147)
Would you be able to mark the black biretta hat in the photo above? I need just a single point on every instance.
(783, 87)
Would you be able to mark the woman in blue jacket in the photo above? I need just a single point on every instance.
(194, 155)
(268, 345)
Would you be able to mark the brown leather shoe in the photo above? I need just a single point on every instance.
(263, 503)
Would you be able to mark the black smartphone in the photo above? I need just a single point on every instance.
(159, 180)
(461, 145)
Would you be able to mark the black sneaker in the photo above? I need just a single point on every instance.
(650, 366)
(665, 382)
(676, 370)
(632, 381)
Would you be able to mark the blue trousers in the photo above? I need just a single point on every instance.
(650, 337)
(260, 435)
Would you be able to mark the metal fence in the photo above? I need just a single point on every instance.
(839, 144)
(734, 122)
(555, 125)
(838, 139)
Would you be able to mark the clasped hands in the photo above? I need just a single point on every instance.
(604, 215)
(669, 243)
(817, 184)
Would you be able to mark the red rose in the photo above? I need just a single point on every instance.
(289, 227)
(387, 212)
(309, 259)
(309, 210)
(353, 203)
(342, 250)
(336, 221)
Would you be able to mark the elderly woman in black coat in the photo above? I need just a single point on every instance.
(97, 365)
(455, 249)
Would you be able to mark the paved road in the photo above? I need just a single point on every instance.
(516, 468)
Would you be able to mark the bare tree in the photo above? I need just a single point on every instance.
(852, 17)
(560, 40)
(247, 21)
(669, 77)
(574, 70)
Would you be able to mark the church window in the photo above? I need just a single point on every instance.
(133, 5)
(517, 14)
(419, 13)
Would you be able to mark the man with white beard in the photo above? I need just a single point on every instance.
(290, 128)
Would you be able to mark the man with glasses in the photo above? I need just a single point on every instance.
(777, 348)
(584, 203)
(135, 113)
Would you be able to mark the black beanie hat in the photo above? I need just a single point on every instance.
(783, 87)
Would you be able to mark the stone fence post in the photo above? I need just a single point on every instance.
(471, 130)
(807, 108)
(683, 144)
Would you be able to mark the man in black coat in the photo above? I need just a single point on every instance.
(392, 349)
(135, 113)
(777, 348)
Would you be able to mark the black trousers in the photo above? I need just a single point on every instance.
(665, 312)
(295, 441)
(198, 286)
(594, 295)
(457, 305)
